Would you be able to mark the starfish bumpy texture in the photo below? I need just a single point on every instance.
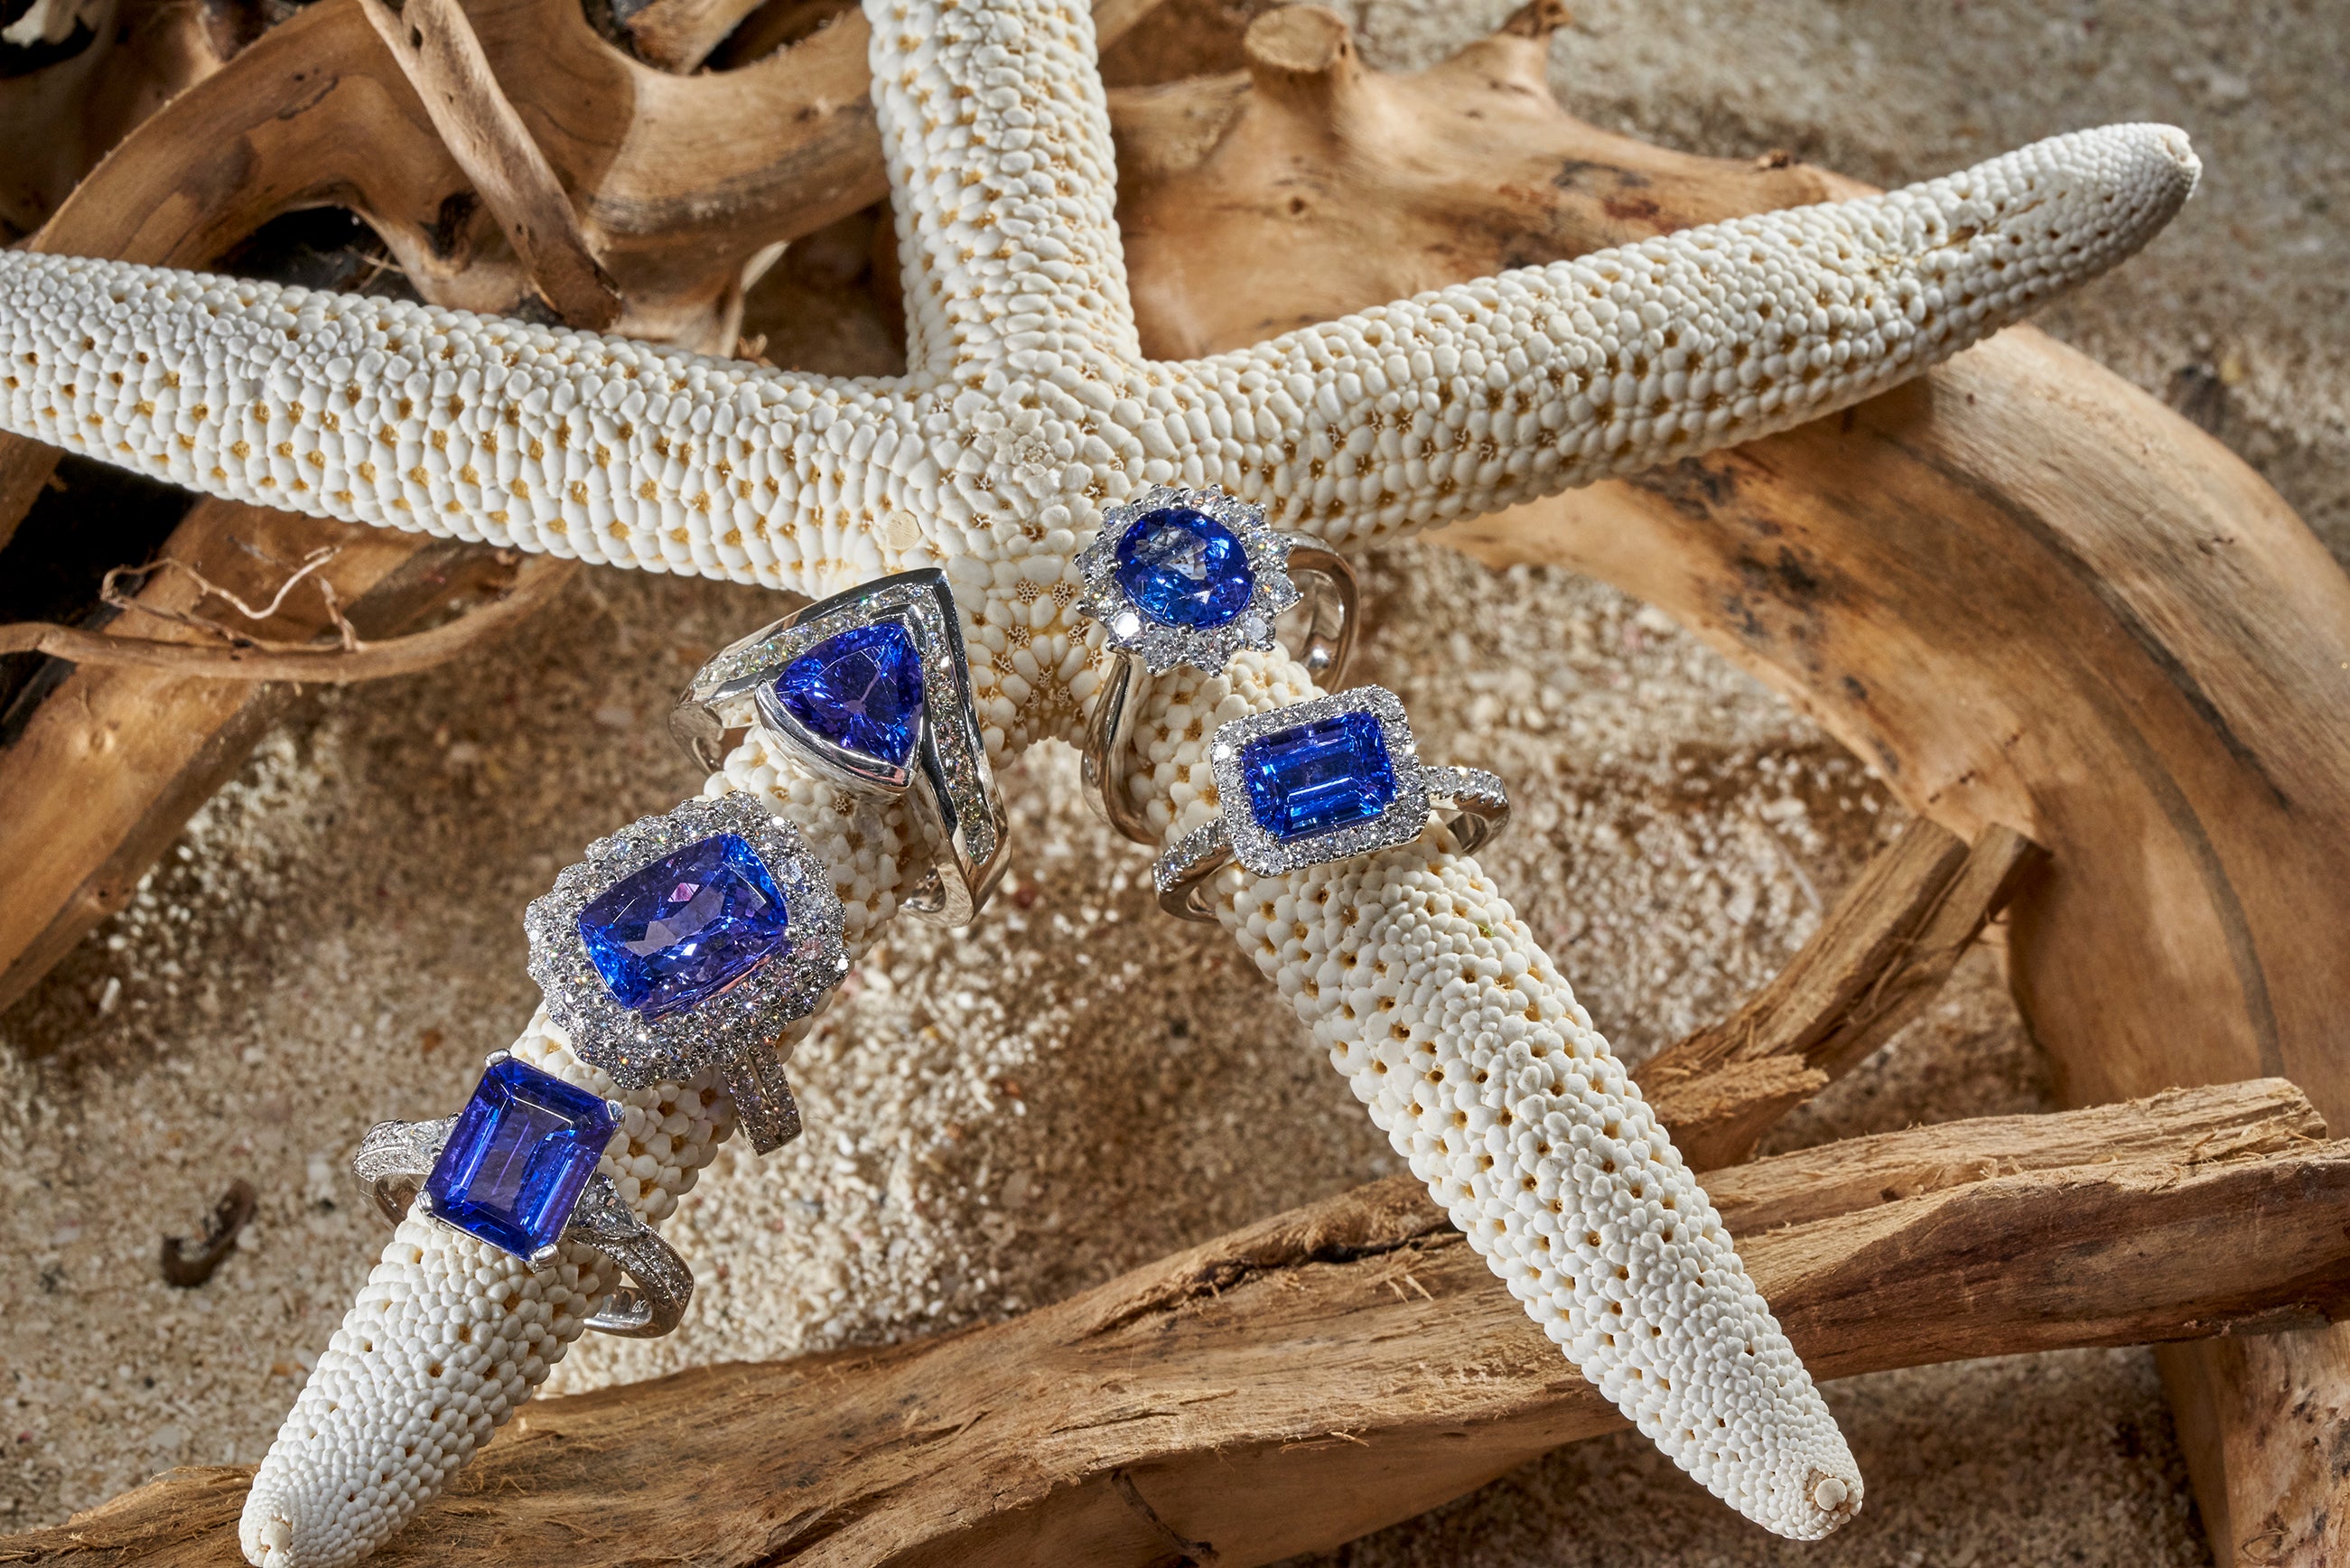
(1026, 409)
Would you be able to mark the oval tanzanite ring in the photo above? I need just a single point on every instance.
(691, 940)
(871, 688)
(1318, 782)
(516, 1169)
(1192, 576)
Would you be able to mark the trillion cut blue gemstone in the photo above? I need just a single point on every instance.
(522, 1147)
(861, 689)
(1183, 569)
(1319, 777)
(683, 929)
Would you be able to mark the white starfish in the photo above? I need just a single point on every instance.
(1026, 408)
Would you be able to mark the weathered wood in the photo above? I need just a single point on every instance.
(1294, 1384)
(2025, 591)
(1877, 958)
(111, 767)
(1718, 1116)
(536, 581)
(438, 51)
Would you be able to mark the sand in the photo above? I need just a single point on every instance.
(338, 938)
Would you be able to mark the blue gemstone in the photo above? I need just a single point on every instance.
(683, 929)
(1319, 777)
(1183, 569)
(522, 1147)
(861, 691)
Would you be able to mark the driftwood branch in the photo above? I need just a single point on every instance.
(108, 770)
(443, 61)
(538, 580)
(1877, 960)
(1297, 1383)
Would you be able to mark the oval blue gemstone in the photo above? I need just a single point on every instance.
(861, 689)
(684, 929)
(522, 1147)
(1319, 777)
(1183, 569)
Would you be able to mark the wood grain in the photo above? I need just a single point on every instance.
(1877, 958)
(1348, 1364)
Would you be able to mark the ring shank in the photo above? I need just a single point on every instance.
(395, 1157)
(1472, 806)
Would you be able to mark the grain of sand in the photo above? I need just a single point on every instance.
(1002, 1117)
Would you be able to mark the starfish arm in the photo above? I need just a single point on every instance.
(1474, 397)
(412, 417)
(1472, 1055)
(450, 1337)
(997, 139)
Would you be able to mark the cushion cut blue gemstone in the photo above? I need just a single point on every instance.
(1183, 569)
(1319, 777)
(522, 1147)
(861, 689)
(684, 929)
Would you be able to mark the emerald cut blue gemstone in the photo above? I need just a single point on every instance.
(861, 689)
(683, 929)
(1183, 569)
(1319, 777)
(522, 1147)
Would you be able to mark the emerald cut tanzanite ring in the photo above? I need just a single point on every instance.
(688, 941)
(1190, 578)
(870, 688)
(516, 1169)
(1323, 781)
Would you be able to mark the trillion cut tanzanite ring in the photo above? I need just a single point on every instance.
(1192, 576)
(691, 940)
(516, 1169)
(872, 689)
(1318, 782)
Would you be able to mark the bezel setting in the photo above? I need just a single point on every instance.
(751, 1012)
(1128, 628)
(1401, 821)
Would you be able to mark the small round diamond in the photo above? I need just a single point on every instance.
(1126, 624)
(1183, 569)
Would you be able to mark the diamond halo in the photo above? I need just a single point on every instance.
(1402, 820)
(1161, 646)
(748, 1015)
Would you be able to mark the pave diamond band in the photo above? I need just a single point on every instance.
(871, 688)
(1190, 578)
(1318, 782)
(516, 1170)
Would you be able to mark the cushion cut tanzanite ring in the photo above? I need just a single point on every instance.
(1192, 576)
(691, 940)
(870, 688)
(1318, 782)
(516, 1169)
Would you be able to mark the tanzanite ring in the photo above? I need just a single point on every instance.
(1322, 781)
(516, 1169)
(872, 689)
(1192, 576)
(691, 940)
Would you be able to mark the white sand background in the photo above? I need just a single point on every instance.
(1079, 1085)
